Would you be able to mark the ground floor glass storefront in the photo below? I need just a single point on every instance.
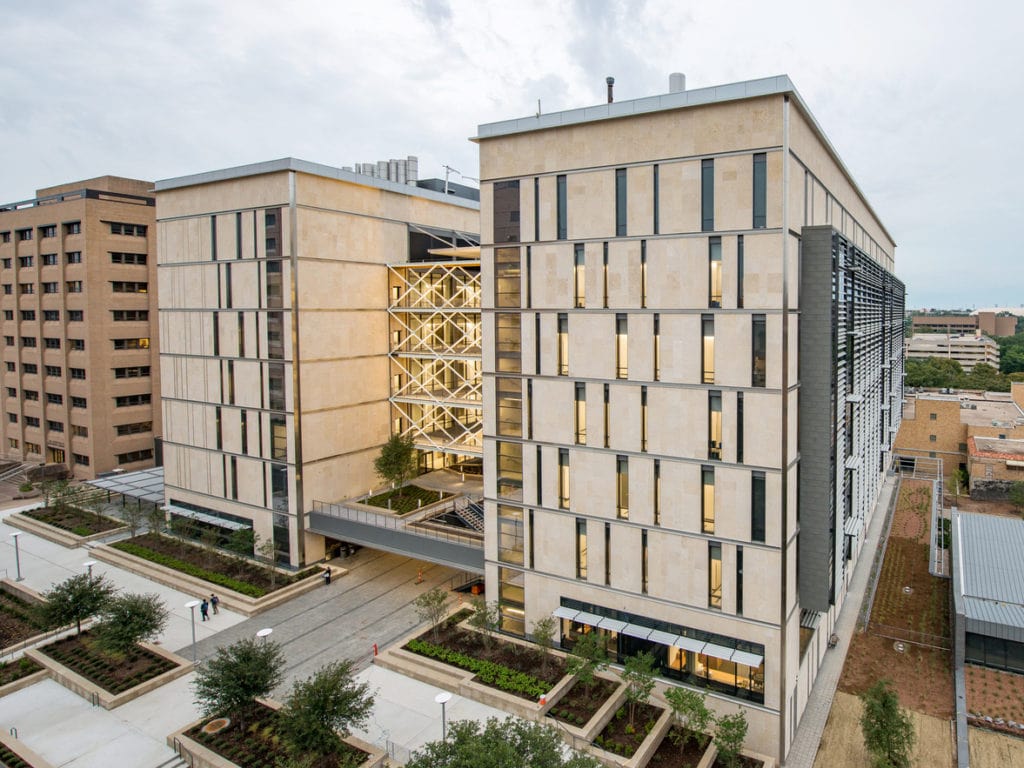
(702, 659)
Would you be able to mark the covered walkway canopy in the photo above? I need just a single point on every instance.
(144, 485)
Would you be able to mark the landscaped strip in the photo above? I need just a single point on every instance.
(169, 561)
(406, 499)
(112, 675)
(495, 675)
(74, 520)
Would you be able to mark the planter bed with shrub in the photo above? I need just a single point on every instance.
(256, 744)
(13, 671)
(579, 703)
(621, 738)
(234, 573)
(114, 674)
(671, 755)
(19, 620)
(11, 760)
(406, 499)
(487, 672)
(74, 520)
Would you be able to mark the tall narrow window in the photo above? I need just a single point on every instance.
(656, 201)
(620, 202)
(510, 471)
(643, 274)
(581, 413)
(538, 494)
(529, 536)
(536, 208)
(739, 580)
(757, 345)
(621, 350)
(739, 271)
(760, 190)
(643, 562)
(507, 278)
(714, 575)
(509, 400)
(657, 347)
(528, 275)
(507, 342)
(581, 548)
(707, 195)
(707, 348)
(715, 425)
(529, 409)
(739, 427)
(607, 554)
(561, 203)
(563, 344)
(707, 499)
(604, 275)
(510, 534)
(714, 272)
(643, 418)
(657, 492)
(757, 506)
(580, 276)
(506, 212)
(622, 487)
(607, 416)
(563, 478)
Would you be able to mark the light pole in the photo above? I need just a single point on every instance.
(17, 554)
(191, 605)
(264, 633)
(88, 564)
(443, 698)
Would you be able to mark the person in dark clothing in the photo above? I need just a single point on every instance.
(327, 576)
(215, 603)
(204, 610)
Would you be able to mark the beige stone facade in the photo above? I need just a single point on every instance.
(81, 381)
(274, 319)
(642, 293)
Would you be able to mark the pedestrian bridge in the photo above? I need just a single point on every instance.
(448, 533)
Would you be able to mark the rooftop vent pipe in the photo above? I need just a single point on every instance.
(611, 85)
(676, 82)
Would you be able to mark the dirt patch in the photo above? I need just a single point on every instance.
(74, 520)
(966, 504)
(994, 750)
(114, 673)
(622, 737)
(995, 694)
(579, 704)
(842, 743)
(669, 755)
(19, 620)
(925, 607)
(912, 517)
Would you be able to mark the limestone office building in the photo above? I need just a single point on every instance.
(693, 370)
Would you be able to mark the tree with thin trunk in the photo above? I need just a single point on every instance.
(133, 516)
(76, 599)
(544, 636)
(730, 733)
(397, 460)
(431, 607)
(156, 519)
(1016, 496)
(639, 679)
(588, 657)
(323, 709)
(485, 618)
(887, 728)
(692, 716)
(266, 549)
(129, 619)
(230, 682)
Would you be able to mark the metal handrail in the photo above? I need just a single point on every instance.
(392, 522)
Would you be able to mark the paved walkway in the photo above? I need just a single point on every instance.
(808, 735)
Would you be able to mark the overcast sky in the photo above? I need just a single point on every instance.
(923, 100)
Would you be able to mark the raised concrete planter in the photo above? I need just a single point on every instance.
(26, 754)
(58, 535)
(234, 601)
(90, 691)
(24, 682)
(712, 754)
(198, 756)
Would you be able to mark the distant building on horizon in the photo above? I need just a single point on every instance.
(966, 349)
(990, 323)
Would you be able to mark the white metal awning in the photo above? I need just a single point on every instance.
(202, 517)
(635, 630)
(561, 612)
(664, 638)
(750, 659)
(612, 625)
(718, 651)
(590, 619)
(689, 644)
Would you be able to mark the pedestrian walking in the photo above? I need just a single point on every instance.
(204, 610)
(327, 576)
(215, 603)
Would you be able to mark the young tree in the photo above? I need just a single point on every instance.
(692, 715)
(397, 460)
(268, 551)
(485, 618)
(129, 619)
(588, 657)
(208, 538)
(324, 708)
(231, 681)
(431, 607)
(730, 732)
(184, 528)
(242, 542)
(887, 728)
(639, 678)
(512, 743)
(1016, 496)
(156, 519)
(133, 516)
(544, 637)
(75, 599)
(53, 492)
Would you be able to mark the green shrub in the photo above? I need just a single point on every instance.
(25, 488)
(192, 570)
(496, 675)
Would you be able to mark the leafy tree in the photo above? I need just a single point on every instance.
(986, 377)
(156, 519)
(730, 732)
(133, 515)
(691, 713)
(512, 743)
(887, 728)
(322, 709)
(242, 542)
(397, 460)
(544, 637)
(230, 682)
(431, 607)
(588, 657)
(485, 618)
(268, 551)
(639, 678)
(184, 528)
(208, 538)
(128, 619)
(54, 492)
(934, 372)
(1016, 496)
(75, 599)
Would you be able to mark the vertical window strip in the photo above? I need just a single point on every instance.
(620, 202)
(561, 208)
(760, 190)
(657, 223)
(707, 195)
(739, 272)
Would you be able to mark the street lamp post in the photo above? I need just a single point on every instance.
(443, 698)
(264, 633)
(88, 564)
(17, 554)
(191, 605)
